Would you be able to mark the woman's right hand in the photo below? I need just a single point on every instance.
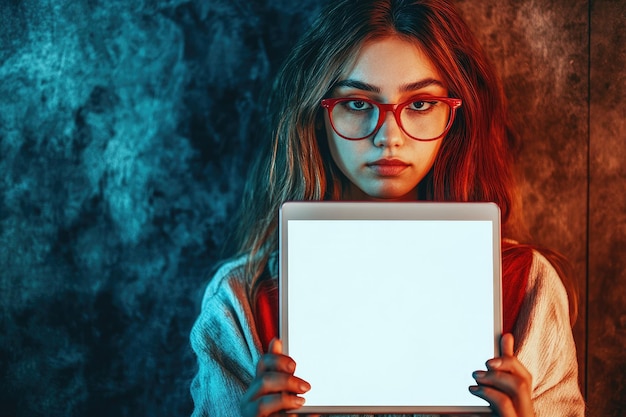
(274, 387)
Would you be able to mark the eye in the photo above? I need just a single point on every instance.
(357, 105)
(422, 105)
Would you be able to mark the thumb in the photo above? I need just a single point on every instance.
(507, 343)
(276, 346)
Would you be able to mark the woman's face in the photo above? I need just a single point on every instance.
(387, 165)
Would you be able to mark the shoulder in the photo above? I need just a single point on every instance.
(533, 270)
(544, 281)
(225, 316)
(545, 310)
(227, 306)
(223, 336)
(229, 280)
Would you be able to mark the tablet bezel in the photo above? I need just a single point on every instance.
(327, 210)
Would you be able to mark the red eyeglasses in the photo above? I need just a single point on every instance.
(423, 117)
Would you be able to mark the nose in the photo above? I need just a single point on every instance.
(390, 134)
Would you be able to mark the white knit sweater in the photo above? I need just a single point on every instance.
(228, 347)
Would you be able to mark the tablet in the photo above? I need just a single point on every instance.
(390, 307)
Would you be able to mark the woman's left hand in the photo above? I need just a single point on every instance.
(506, 385)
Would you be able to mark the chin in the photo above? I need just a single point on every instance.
(394, 195)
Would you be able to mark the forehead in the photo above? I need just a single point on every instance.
(390, 62)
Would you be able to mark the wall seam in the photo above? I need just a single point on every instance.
(588, 233)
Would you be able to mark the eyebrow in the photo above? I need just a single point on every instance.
(360, 85)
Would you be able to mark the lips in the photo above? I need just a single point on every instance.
(388, 167)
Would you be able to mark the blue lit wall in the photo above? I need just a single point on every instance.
(126, 129)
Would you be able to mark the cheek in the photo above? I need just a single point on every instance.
(347, 154)
(431, 151)
(340, 155)
(424, 154)
(335, 144)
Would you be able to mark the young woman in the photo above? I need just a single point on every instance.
(388, 100)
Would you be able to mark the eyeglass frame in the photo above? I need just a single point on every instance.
(384, 108)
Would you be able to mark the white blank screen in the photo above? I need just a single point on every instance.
(390, 312)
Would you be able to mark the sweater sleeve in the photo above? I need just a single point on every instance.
(545, 344)
(226, 348)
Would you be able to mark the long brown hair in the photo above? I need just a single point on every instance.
(475, 159)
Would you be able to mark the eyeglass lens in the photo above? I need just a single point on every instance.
(358, 119)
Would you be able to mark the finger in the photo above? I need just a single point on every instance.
(515, 386)
(274, 360)
(318, 415)
(275, 363)
(507, 345)
(270, 404)
(270, 384)
(279, 402)
(506, 376)
(273, 382)
(500, 403)
(313, 415)
(275, 346)
(509, 364)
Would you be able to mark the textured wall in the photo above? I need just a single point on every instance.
(125, 132)
(606, 336)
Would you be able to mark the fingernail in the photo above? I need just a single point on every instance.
(304, 387)
(300, 401)
(474, 388)
(479, 374)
